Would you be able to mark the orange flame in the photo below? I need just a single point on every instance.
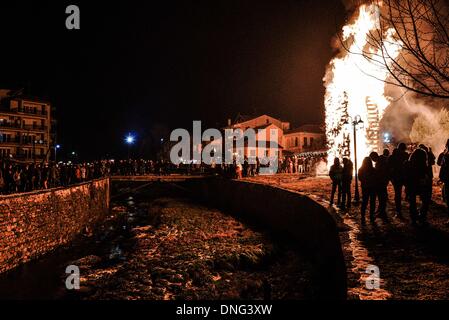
(354, 87)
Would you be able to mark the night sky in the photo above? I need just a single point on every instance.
(149, 68)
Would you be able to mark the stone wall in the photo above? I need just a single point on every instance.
(32, 224)
(294, 216)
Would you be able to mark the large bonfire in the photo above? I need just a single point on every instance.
(355, 87)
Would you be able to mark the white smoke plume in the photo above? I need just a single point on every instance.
(412, 119)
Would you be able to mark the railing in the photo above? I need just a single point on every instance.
(30, 127)
(32, 111)
(7, 141)
(9, 125)
(37, 144)
(27, 143)
(33, 127)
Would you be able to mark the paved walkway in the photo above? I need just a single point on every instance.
(413, 261)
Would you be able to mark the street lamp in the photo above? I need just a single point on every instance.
(130, 139)
(56, 151)
(357, 123)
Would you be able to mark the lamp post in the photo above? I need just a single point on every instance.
(357, 123)
(74, 155)
(129, 141)
(56, 151)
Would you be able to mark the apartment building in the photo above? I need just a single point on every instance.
(25, 127)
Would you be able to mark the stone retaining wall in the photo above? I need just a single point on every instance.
(32, 224)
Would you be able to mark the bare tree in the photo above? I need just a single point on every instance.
(418, 32)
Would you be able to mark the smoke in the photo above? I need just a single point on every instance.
(431, 129)
(414, 119)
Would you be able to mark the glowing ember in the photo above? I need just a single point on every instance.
(355, 87)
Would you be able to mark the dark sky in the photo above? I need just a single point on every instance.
(148, 68)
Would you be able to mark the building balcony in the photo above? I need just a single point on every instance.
(36, 144)
(10, 141)
(33, 112)
(31, 127)
(25, 112)
(4, 124)
(16, 141)
(27, 127)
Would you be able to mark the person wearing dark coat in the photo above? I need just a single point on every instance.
(443, 162)
(396, 168)
(346, 181)
(336, 174)
(419, 183)
(430, 163)
(382, 179)
(367, 177)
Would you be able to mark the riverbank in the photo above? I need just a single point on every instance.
(181, 250)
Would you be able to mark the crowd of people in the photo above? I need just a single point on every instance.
(18, 177)
(410, 173)
(301, 163)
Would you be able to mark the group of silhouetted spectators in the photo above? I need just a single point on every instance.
(25, 177)
(409, 173)
(18, 177)
(300, 164)
(341, 176)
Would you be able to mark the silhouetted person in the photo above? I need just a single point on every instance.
(346, 181)
(443, 162)
(245, 167)
(257, 166)
(396, 165)
(430, 163)
(418, 182)
(336, 173)
(367, 177)
(381, 170)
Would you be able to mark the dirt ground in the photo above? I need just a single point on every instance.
(413, 261)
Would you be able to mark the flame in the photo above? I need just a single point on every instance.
(355, 87)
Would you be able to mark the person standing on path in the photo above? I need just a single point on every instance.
(346, 182)
(336, 174)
